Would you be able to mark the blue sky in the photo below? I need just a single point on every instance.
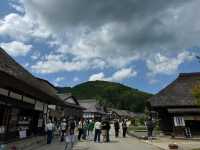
(137, 43)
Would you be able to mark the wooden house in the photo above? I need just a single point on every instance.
(24, 101)
(120, 114)
(177, 107)
(75, 110)
(92, 109)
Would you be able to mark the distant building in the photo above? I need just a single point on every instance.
(92, 109)
(75, 110)
(177, 108)
(122, 114)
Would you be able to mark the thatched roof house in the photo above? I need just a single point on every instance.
(177, 105)
(178, 93)
(14, 77)
(75, 110)
(92, 109)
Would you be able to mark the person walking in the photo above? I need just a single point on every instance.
(70, 135)
(85, 128)
(63, 127)
(117, 127)
(97, 133)
(49, 128)
(124, 128)
(104, 130)
(80, 129)
(150, 127)
(105, 126)
(90, 129)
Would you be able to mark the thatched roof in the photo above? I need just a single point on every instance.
(178, 93)
(14, 77)
(92, 106)
(69, 99)
(121, 113)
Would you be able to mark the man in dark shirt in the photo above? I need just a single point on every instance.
(116, 126)
(106, 127)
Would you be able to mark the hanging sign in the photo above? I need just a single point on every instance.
(22, 134)
(39, 106)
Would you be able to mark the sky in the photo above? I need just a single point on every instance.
(140, 43)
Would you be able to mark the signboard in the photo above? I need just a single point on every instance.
(53, 107)
(15, 95)
(28, 100)
(39, 106)
(45, 108)
(3, 92)
(22, 134)
(2, 129)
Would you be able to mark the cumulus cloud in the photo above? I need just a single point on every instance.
(116, 77)
(16, 48)
(100, 34)
(161, 64)
(22, 27)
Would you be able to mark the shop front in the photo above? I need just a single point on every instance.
(21, 118)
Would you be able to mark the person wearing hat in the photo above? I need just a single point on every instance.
(63, 127)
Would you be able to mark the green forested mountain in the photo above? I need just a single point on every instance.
(110, 94)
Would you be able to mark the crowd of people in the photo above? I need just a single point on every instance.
(92, 130)
(87, 130)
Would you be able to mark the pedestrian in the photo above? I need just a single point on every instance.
(117, 127)
(80, 129)
(85, 128)
(90, 129)
(97, 132)
(104, 130)
(105, 127)
(124, 128)
(63, 127)
(49, 128)
(70, 135)
(150, 127)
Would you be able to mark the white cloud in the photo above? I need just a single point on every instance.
(76, 79)
(96, 42)
(16, 48)
(59, 79)
(161, 64)
(118, 76)
(22, 27)
(56, 62)
(98, 76)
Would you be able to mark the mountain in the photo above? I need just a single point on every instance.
(110, 94)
